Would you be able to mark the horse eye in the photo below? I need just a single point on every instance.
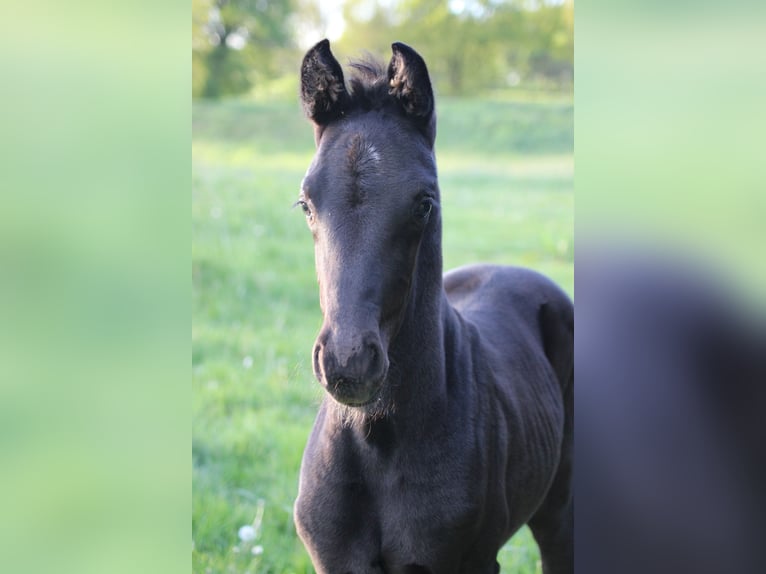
(423, 209)
(305, 207)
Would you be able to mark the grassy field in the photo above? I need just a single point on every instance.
(506, 175)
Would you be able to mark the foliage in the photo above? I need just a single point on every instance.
(506, 178)
(236, 43)
(471, 46)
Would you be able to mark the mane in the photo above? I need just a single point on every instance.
(369, 84)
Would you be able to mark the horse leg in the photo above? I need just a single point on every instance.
(555, 537)
(553, 523)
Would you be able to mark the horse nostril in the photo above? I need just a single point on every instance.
(317, 369)
(375, 359)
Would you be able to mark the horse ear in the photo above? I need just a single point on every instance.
(409, 82)
(323, 89)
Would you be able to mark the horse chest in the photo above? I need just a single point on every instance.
(436, 493)
(395, 507)
(422, 509)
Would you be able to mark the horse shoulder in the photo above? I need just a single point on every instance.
(517, 312)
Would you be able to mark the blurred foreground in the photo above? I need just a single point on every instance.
(670, 370)
(670, 281)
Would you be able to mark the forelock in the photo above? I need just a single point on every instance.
(368, 84)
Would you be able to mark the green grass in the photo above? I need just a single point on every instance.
(506, 174)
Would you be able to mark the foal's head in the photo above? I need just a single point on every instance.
(371, 201)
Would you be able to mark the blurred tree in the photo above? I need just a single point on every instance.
(369, 25)
(544, 43)
(234, 42)
(472, 45)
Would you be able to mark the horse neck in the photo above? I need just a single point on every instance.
(417, 353)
